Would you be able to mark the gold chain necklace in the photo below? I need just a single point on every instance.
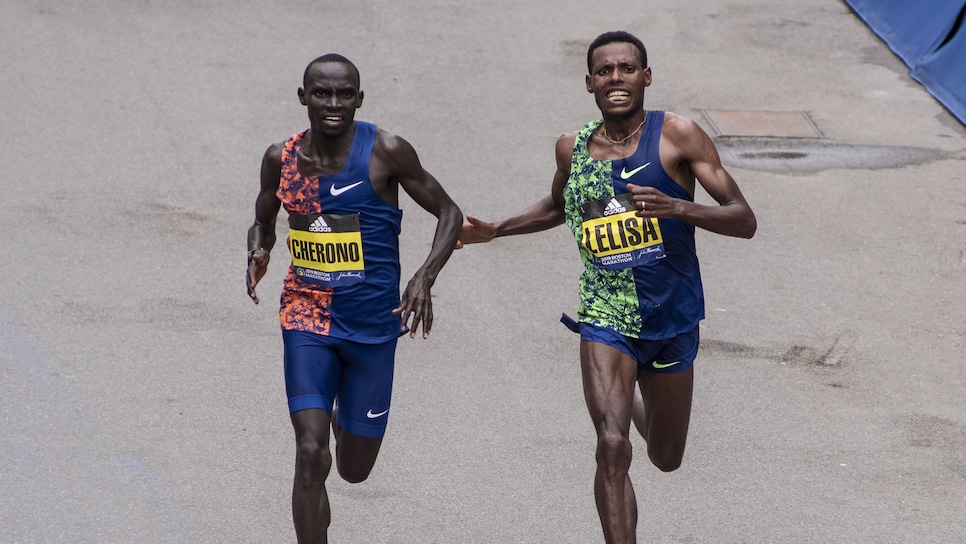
(603, 132)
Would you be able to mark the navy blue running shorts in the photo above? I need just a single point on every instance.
(320, 370)
(669, 356)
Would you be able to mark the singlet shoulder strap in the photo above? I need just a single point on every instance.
(290, 151)
(580, 145)
(362, 143)
(651, 138)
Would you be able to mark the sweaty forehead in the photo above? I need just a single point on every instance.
(332, 73)
(616, 53)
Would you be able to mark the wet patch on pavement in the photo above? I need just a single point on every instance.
(947, 437)
(812, 155)
(168, 220)
(833, 354)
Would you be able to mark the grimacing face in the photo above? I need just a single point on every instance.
(617, 79)
(331, 97)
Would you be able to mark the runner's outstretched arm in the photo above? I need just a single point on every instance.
(546, 213)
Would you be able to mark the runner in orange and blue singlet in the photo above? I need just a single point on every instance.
(343, 284)
(341, 310)
(327, 284)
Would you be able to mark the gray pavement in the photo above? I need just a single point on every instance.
(141, 397)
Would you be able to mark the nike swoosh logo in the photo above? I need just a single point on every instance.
(336, 191)
(661, 366)
(369, 414)
(625, 174)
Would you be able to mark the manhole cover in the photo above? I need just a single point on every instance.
(774, 124)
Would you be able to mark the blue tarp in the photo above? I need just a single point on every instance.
(928, 35)
(943, 72)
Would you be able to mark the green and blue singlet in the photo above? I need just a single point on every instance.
(641, 276)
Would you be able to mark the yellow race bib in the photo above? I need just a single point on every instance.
(616, 236)
(326, 249)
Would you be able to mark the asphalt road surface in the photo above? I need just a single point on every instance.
(141, 393)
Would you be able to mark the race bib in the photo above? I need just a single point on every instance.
(326, 249)
(616, 236)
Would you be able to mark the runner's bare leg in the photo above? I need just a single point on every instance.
(609, 381)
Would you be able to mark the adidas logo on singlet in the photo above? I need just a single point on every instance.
(319, 225)
(614, 207)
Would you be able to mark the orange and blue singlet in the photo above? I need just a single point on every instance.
(344, 243)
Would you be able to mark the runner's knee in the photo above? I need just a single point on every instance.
(667, 458)
(355, 465)
(355, 475)
(614, 452)
(313, 461)
(356, 457)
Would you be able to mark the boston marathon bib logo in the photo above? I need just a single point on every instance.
(617, 236)
(326, 249)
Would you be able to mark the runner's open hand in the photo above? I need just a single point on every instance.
(475, 231)
(416, 302)
(256, 270)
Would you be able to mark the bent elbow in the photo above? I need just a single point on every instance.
(455, 216)
(751, 226)
(748, 228)
(449, 214)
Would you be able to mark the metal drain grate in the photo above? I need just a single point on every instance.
(774, 124)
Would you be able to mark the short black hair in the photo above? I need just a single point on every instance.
(616, 36)
(329, 57)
